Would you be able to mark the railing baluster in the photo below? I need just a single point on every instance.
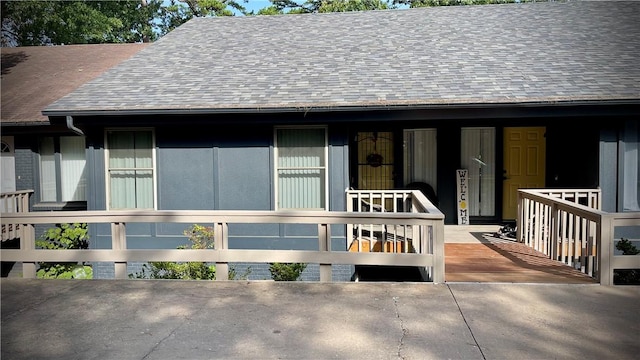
(581, 236)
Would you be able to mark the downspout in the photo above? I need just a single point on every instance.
(71, 127)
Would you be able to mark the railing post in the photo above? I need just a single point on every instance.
(438, 252)
(324, 239)
(119, 242)
(25, 202)
(28, 244)
(520, 218)
(604, 240)
(350, 227)
(221, 243)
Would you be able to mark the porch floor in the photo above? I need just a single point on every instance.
(473, 254)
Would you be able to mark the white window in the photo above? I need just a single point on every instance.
(62, 169)
(7, 165)
(421, 157)
(130, 169)
(301, 168)
(478, 156)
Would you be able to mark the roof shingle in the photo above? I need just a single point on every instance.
(511, 53)
(35, 76)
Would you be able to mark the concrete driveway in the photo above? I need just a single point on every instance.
(172, 319)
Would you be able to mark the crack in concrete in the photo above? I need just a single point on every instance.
(402, 327)
(466, 322)
(187, 319)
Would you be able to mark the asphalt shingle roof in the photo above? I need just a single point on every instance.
(511, 53)
(35, 76)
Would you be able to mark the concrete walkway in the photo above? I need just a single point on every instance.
(167, 319)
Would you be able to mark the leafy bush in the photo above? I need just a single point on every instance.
(233, 274)
(286, 271)
(201, 237)
(64, 236)
(176, 270)
(626, 276)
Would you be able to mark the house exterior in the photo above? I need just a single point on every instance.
(32, 78)
(287, 112)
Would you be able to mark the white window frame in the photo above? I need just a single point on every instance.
(8, 166)
(58, 156)
(154, 168)
(325, 167)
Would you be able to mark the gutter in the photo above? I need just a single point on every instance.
(72, 127)
(337, 108)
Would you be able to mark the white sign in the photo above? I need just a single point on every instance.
(463, 205)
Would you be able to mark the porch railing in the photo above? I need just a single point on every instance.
(568, 226)
(427, 227)
(13, 202)
(399, 237)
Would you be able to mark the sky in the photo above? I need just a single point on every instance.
(260, 4)
(256, 4)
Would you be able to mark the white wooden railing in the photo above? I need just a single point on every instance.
(568, 226)
(395, 238)
(13, 202)
(427, 227)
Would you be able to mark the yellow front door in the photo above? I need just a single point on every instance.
(524, 165)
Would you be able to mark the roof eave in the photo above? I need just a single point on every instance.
(332, 108)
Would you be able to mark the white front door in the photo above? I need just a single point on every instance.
(478, 156)
(7, 165)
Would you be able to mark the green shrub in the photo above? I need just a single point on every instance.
(286, 271)
(201, 237)
(176, 270)
(233, 274)
(64, 236)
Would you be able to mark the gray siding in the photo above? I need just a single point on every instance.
(185, 178)
(224, 169)
(608, 169)
(245, 178)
